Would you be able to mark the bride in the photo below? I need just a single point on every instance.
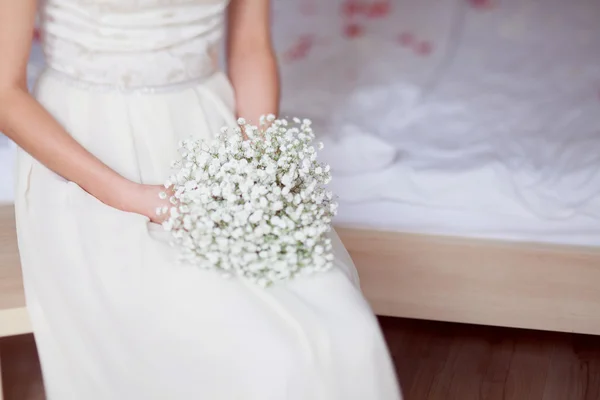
(115, 317)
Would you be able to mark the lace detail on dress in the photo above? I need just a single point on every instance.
(132, 44)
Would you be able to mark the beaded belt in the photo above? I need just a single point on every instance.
(86, 85)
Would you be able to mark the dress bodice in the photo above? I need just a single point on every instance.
(132, 44)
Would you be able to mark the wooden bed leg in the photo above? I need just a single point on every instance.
(1, 387)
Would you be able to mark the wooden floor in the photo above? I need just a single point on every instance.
(434, 361)
(463, 362)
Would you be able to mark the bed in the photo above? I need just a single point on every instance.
(464, 137)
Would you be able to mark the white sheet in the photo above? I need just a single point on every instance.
(495, 133)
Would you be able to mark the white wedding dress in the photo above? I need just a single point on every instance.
(115, 316)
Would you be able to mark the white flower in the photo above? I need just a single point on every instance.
(253, 208)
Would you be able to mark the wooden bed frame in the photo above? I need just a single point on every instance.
(426, 277)
(522, 285)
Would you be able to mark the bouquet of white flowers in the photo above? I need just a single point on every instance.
(255, 207)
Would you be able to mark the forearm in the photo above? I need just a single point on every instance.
(255, 78)
(29, 125)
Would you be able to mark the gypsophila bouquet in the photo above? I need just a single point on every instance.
(254, 207)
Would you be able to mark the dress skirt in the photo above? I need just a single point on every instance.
(116, 317)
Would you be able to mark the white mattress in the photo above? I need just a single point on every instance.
(493, 133)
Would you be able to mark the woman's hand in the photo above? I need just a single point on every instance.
(146, 200)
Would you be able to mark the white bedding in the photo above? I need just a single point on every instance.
(474, 118)
(7, 160)
(494, 133)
